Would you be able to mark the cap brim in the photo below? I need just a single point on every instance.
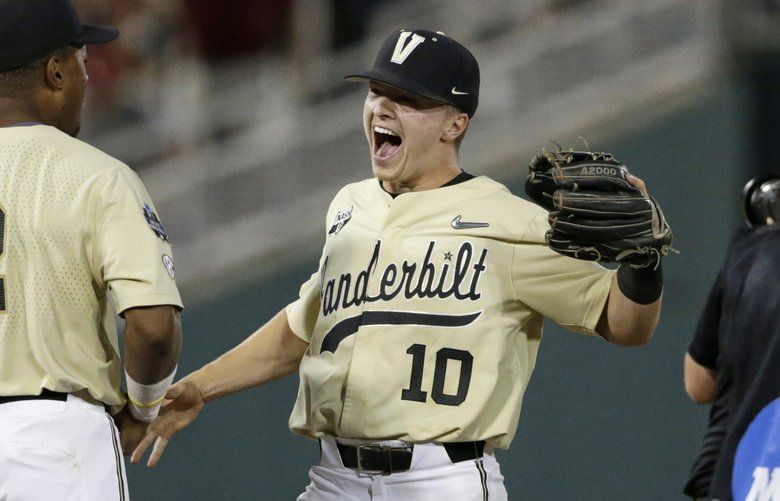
(96, 34)
(394, 80)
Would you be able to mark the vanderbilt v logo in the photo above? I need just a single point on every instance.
(401, 52)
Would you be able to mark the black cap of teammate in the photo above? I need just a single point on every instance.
(33, 29)
(429, 64)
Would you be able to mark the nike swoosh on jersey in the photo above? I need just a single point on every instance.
(464, 225)
(456, 92)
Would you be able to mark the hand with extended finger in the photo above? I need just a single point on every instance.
(185, 401)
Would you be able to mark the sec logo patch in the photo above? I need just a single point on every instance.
(342, 218)
(168, 263)
(756, 475)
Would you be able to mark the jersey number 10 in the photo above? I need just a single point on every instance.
(443, 356)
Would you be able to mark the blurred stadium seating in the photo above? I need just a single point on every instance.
(240, 150)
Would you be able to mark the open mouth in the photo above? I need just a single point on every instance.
(386, 142)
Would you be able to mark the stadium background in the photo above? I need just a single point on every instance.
(236, 116)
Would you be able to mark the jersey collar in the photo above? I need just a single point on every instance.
(460, 178)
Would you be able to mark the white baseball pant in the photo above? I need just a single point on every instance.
(64, 450)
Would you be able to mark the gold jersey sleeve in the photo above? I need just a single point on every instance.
(81, 242)
(425, 316)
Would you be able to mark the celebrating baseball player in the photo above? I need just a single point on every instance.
(74, 225)
(417, 336)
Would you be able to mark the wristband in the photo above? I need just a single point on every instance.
(641, 285)
(144, 400)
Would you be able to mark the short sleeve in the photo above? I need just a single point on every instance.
(570, 292)
(704, 346)
(131, 252)
(302, 314)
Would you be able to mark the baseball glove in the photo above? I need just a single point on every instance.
(595, 213)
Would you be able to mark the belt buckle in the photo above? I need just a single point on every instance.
(370, 447)
(386, 454)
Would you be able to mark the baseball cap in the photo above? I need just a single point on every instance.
(32, 29)
(429, 64)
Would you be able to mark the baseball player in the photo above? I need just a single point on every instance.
(417, 336)
(75, 224)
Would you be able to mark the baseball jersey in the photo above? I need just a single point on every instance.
(76, 224)
(425, 316)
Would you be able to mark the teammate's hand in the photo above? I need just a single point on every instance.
(131, 431)
(185, 401)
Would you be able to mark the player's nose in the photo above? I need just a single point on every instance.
(383, 107)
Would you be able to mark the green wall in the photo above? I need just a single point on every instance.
(599, 422)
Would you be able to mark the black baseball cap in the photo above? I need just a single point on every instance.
(429, 64)
(32, 29)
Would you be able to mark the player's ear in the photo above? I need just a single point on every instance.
(54, 77)
(454, 125)
(54, 72)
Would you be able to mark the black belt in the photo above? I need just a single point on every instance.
(45, 395)
(373, 458)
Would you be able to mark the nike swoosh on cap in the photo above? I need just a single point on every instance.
(457, 92)
(464, 225)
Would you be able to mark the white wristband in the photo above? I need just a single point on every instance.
(144, 400)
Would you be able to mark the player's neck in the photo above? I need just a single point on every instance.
(428, 181)
(15, 111)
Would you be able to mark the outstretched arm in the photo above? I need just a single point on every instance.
(269, 353)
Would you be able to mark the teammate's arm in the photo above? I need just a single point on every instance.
(152, 342)
(269, 353)
(152, 347)
(626, 322)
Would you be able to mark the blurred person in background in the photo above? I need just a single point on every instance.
(79, 243)
(417, 336)
(154, 75)
(228, 30)
(734, 361)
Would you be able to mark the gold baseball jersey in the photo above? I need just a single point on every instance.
(425, 316)
(76, 224)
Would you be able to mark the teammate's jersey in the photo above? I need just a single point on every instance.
(76, 223)
(425, 316)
